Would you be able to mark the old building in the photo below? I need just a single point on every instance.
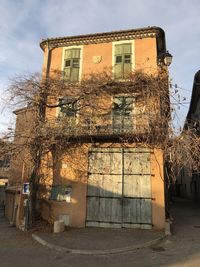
(188, 182)
(104, 165)
(106, 179)
(20, 166)
(4, 170)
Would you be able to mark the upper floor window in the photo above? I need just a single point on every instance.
(72, 64)
(5, 162)
(68, 107)
(123, 105)
(122, 61)
(122, 113)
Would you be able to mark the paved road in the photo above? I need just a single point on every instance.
(183, 249)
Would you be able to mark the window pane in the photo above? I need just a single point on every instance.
(58, 193)
(122, 110)
(127, 59)
(118, 59)
(68, 107)
(75, 63)
(67, 63)
(123, 105)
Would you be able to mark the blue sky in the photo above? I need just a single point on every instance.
(23, 23)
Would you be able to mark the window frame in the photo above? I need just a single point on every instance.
(133, 112)
(132, 42)
(71, 61)
(64, 117)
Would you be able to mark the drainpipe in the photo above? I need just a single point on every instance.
(48, 60)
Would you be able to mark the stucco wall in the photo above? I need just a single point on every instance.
(144, 56)
(158, 194)
(73, 172)
(20, 165)
(73, 168)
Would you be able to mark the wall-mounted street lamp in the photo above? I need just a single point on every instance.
(165, 58)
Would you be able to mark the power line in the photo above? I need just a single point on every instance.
(178, 87)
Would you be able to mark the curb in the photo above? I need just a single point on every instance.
(95, 252)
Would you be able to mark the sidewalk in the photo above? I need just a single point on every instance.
(97, 241)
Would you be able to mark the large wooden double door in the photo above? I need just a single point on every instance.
(119, 188)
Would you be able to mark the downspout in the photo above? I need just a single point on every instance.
(48, 61)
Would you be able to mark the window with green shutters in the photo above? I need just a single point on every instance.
(122, 113)
(123, 64)
(68, 110)
(72, 64)
(68, 107)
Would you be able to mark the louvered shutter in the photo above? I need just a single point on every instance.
(127, 60)
(75, 53)
(126, 49)
(122, 67)
(72, 64)
(118, 68)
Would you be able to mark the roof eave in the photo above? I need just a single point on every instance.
(108, 36)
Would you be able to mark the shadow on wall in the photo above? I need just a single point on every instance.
(102, 197)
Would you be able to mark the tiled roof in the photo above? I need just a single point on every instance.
(108, 36)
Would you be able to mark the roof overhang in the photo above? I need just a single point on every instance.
(104, 37)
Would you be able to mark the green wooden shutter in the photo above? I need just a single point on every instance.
(118, 49)
(67, 69)
(67, 72)
(74, 74)
(126, 49)
(118, 71)
(118, 67)
(71, 72)
(123, 66)
(75, 53)
(127, 60)
(127, 70)
(75, 65)
(67, 53)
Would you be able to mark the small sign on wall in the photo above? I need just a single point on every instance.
(26, 188)
(97, 59)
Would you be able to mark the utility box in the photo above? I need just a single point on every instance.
(58, 227)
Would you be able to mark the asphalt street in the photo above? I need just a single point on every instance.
(18, 249)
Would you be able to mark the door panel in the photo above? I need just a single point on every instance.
(93, 208)
(105, 183)
(136, 163)
(110, 210)
(105, 163)
(119, 188)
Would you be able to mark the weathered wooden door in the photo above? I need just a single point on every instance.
(136, 188)
(104, 195)
(119, 188)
